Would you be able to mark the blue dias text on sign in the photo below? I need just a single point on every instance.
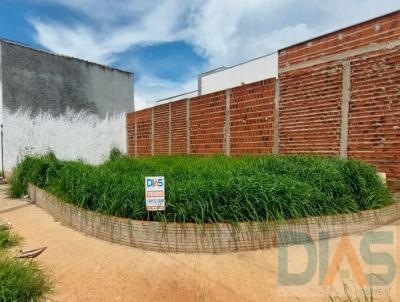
(155, 193)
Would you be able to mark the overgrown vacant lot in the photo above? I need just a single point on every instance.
(210, 189)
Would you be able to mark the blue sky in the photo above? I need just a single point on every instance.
(167, 43)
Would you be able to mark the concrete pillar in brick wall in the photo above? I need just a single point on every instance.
(344, 112)
(152, 131)
(275, 148)
(135, 137)
(169, 129)
(127, 136)
(188, 126)
(227, 128)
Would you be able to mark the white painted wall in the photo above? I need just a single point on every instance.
(71, 136)
(252, 71)
(1, 91)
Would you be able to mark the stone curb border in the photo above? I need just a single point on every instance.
(209, 238)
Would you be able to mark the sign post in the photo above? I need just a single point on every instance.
(155, 193)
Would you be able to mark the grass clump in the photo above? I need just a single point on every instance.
(7, 239)
(210, 188)
(20, 280)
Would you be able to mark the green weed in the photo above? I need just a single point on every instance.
(7, 239)
(22, 280)
(210, 188)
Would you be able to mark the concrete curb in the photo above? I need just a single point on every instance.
(209, 238)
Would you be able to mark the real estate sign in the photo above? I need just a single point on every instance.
(155, 193)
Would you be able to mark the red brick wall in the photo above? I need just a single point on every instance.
(178, 127)
(161, 126)
(311, 96)
(374, 31)
(252, 117)
(130, 132)
(310, 109)
(374, 119)
(310, 105)
(207, 121)
(143, 121)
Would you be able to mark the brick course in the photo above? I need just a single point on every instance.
(161, 124)
(374, 120)
(130, 132)
(207, 116)
(143, 121)
(382, 29)
(178, 127)
(310, 109)
(252, 112)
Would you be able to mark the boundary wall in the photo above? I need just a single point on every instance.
(337, 94)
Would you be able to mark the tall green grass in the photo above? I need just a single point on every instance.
(7, 239)
(210, 188)
(20, 280)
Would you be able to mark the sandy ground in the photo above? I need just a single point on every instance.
(88, 269)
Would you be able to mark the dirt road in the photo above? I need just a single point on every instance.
(88, 269)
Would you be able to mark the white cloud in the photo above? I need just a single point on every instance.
(228, 32)
(225, 32)
(102, 41)
(78, 41)
(105, 10)
(151, 89)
